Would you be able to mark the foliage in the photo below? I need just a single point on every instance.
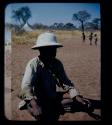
(82, 17)
(94, 24)
(22, 15)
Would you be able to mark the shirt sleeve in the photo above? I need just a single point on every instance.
(65, 82)
(27, 86)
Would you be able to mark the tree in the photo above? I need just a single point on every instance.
(26, 14)
(89, 25)
(82, 17)
(60, 25)
(16, 14)
(96, 23)
(69, 26)
(22, 15)
(39, 26)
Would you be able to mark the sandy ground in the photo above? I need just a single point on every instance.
(81, 62)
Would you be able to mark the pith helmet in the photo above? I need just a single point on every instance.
(46, 39)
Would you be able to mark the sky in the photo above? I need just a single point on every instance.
(49, 13)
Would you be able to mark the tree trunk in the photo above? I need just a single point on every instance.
(20, 23)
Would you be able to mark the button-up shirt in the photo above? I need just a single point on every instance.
(45, 79)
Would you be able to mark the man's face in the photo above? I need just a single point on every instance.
(48, 52)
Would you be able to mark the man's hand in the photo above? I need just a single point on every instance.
(80, 99)
(35, 109)
(86, 103)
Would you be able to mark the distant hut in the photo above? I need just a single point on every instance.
(27, 28)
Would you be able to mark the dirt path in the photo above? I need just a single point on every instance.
(81, 62)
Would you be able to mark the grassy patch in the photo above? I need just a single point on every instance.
(31, 37)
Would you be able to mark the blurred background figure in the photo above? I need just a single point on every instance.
(83, 37)
(95, 39)
(90, 38)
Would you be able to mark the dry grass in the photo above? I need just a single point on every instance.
(30, 37)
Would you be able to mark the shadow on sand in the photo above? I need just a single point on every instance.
(72, 107)
(53, 109)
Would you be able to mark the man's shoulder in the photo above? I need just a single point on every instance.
(58, 61)
(33, 61)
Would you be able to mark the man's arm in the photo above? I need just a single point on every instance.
(68, 85)
(26, 86)
(65, 82)
(27, 90)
